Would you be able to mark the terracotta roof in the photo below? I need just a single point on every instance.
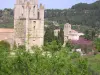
(9, 30)
(74, 31)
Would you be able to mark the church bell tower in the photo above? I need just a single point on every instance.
(28, 23)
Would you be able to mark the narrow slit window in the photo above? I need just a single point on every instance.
(34, 27)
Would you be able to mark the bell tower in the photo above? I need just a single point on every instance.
(67, 30)
(28, 23)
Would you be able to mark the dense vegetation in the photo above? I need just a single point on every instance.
(94, 63)
(81, 14)
(6, 18)
(97, 43)
(51, 60)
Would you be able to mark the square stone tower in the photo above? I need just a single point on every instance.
(28, 23)
(67, 30)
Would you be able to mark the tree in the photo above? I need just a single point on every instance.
(93, 33)
(5, 46)
(87, 35)
(97, 43)
(90, 34)
(61, 36)
(49, 35)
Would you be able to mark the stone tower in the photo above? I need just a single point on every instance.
(67, 30)
(28, 23)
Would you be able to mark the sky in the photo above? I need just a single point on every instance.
(49, 4)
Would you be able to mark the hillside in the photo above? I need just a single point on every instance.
(6, 18)
(80, 14)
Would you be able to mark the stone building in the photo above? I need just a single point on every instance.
(70, 34)
(28, 24)
(7, 34)
(56, 31)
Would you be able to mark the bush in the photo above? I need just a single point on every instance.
(97, 44)
(4, 46)
(26, 63)
(21, 47)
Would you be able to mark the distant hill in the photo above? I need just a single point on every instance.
(6, 18)
(80, 14)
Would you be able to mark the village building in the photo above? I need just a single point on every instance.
(98, 36)
(7, 34)
(70, 34)
(56, 31)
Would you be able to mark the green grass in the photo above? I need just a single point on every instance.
(94, 62)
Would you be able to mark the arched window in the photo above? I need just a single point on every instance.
(34, 27)
(34, 22)
(33, 8)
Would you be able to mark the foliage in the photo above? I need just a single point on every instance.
(97, 43)
(61, 36)
(52, 59)
(14, 46)
(22, 47)
(49, 34)
(85, 6)
(69, 45)
(5, 46)
(6, 18)
(24, 63)
(90, 34)
(80, 14)
(94, 65)
(53, 46)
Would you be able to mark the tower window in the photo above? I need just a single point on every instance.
(38, 15)
(34, 27)
(34, 22)
(22, 6)
(22, 14)
(34, 7)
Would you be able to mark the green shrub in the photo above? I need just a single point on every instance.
(97, 43)
(22, 47)
(4, 46)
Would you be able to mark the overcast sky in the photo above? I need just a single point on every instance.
(60, 4)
